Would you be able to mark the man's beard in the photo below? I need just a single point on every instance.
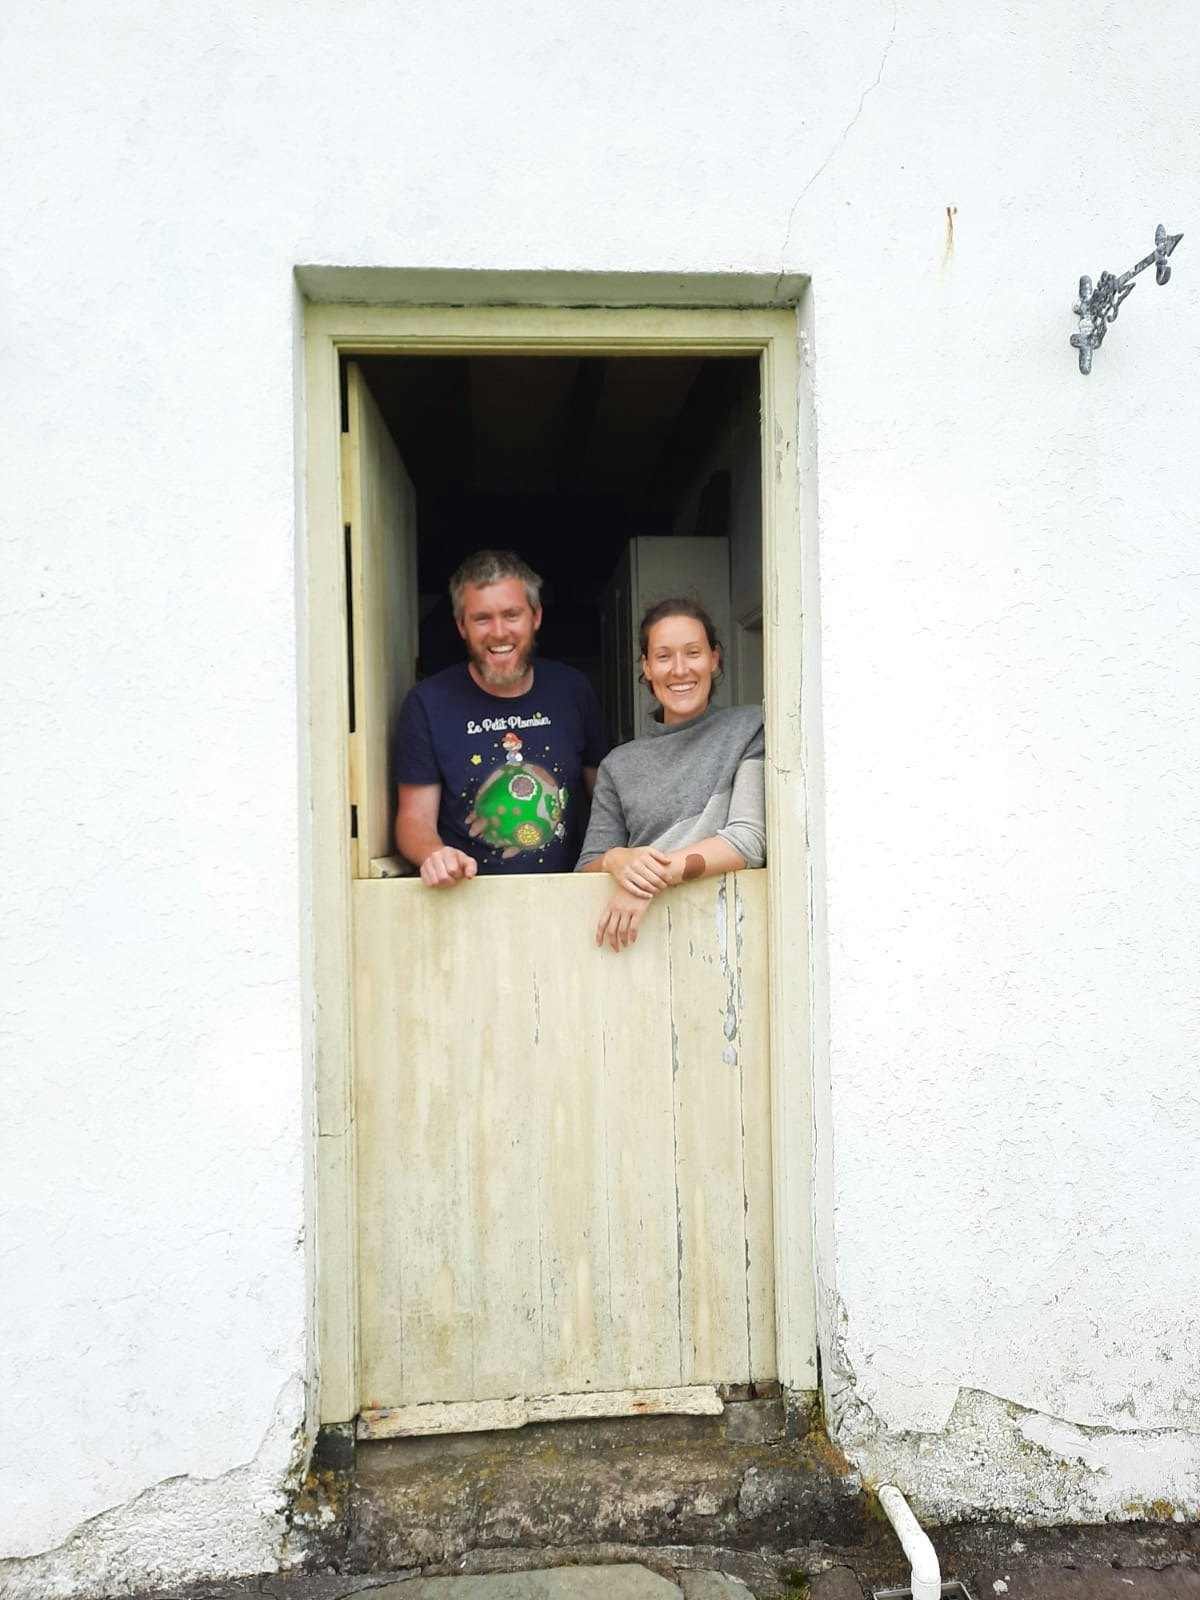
(515, 668)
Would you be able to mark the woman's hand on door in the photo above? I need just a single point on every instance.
(643, 871)
(621, 919)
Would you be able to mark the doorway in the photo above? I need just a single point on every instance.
(605, 473)
(588, 441)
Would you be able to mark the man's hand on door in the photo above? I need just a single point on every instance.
(446, 866)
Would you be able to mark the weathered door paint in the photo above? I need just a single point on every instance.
(407, 985)
(564, 1155)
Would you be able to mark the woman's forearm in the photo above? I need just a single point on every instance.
(705, 859)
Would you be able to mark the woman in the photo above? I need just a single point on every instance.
(686, 799)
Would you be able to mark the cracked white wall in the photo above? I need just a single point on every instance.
(1009, 653)
(1004, 739)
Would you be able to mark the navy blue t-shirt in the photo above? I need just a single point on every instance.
(510, 768)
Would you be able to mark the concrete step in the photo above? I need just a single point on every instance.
(752, 1479)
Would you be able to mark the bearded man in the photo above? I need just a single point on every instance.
(491, 756)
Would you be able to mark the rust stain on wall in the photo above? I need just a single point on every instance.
(948, 252)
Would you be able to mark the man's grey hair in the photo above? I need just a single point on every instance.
(493, 566)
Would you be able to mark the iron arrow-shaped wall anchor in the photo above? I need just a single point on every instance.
(1097, 306)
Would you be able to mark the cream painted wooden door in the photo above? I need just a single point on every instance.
(406, 1003)
(564, 1155)
(381, 515)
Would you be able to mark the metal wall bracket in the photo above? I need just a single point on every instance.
(1097, 306)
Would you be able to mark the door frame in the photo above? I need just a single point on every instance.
(773, 335)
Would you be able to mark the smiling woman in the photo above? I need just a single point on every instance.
(681, 658)
(686, 800)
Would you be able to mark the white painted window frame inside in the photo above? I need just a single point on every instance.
(788, 502)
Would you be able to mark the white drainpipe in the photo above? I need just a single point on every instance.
(922, 1557)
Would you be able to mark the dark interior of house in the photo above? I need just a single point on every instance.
(562, 458)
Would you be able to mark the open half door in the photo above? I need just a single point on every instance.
(381, 557)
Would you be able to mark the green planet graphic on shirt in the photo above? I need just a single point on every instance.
(519, 806)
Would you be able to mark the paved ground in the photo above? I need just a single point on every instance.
(1114, 1561)
(1046, 1583)
(570, 1583)
(620, 1581)
(1173, 1583)
(1091, 1579)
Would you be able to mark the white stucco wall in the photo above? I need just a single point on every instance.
(1004, 746)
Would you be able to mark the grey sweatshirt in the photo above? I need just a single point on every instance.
(679, 784)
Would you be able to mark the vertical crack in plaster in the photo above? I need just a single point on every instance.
(838, 143)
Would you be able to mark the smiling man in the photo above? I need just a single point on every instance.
(490, 756)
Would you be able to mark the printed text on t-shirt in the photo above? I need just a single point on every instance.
(502, 724)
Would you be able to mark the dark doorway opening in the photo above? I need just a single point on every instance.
(567, 459)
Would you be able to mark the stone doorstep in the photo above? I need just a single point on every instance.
(754, 1494)
(740, 1481)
